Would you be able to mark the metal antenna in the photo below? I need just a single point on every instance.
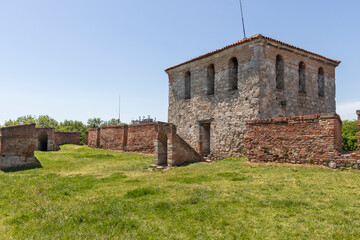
(119, 108)
(242, 18)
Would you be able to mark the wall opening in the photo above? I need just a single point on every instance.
(279, 72)
(302, 78)
(187, 85)
(205, 139)
(321, 82)
(233, 74)
(43, 141)
(162, 150)
(210, 79)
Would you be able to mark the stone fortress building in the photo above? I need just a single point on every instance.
(212, 97)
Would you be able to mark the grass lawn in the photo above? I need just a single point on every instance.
(83, 193)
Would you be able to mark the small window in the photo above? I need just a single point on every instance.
(279, 72)
(187, 85)
(233, 74)
(210, 79)
(302, 78)
(321, 82)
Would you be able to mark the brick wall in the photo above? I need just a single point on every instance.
(49, 134)
(67, 138)
(131, 138)
(156, 137)
(17, 144)
(312, 139)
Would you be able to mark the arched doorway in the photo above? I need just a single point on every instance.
(43, 141)
(162, 151)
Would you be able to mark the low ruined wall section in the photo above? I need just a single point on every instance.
(67, 138)
(314, 139)
(17, 145)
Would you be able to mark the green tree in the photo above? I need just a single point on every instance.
(21, 120)
(349, 135)
(94, 122)
(44, 121)
(111, 122)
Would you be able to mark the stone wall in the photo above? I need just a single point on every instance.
(67, 138)
(17, 144)
(289, 101)
(45, 139)
(131, 138)
(158, 138)
(226, 112)
(314, 139)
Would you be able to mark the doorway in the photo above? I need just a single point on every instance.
(43, 141)
(205, 139)
(162, 151)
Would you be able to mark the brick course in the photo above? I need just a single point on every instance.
(157, 138)
(17, 145)
(314, 139)
(67, 138)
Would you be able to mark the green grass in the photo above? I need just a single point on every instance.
(83, 193)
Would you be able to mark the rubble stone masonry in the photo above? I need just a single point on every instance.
(216, 120)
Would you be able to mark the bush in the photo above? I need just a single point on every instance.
(349, 135)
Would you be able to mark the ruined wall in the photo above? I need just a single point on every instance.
(67, 138)
(113, 137)
(131, 138)
(17, 144)
(94, 138)
(141, 137)
(226, 110)
(49, 133)
(288, 101)
(312, 139)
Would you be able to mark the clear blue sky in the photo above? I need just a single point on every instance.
(70, 59)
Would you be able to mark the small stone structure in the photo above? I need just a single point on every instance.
(212, 96)
(45, 139)
(17, 145)
(49, 140)
(157, 138)
(314, 139)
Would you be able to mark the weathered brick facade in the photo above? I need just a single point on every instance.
(210, 112)
(45, 139)
(67, 138)
(17, 144)
(314, 139)
(158, 138)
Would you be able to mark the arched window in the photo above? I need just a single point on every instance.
(321, 82)
(302, 78)
(279, 72)
(210, 79)
(187, 85)
(233, 74)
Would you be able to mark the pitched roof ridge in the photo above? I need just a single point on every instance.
(244, 40)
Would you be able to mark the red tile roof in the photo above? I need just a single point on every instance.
(258, 36)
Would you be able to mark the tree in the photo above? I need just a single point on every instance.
(94, 122)
(349, 135)
(44, 121)
(21, 120)
(111, 122)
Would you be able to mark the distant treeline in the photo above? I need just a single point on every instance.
(45, 121)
